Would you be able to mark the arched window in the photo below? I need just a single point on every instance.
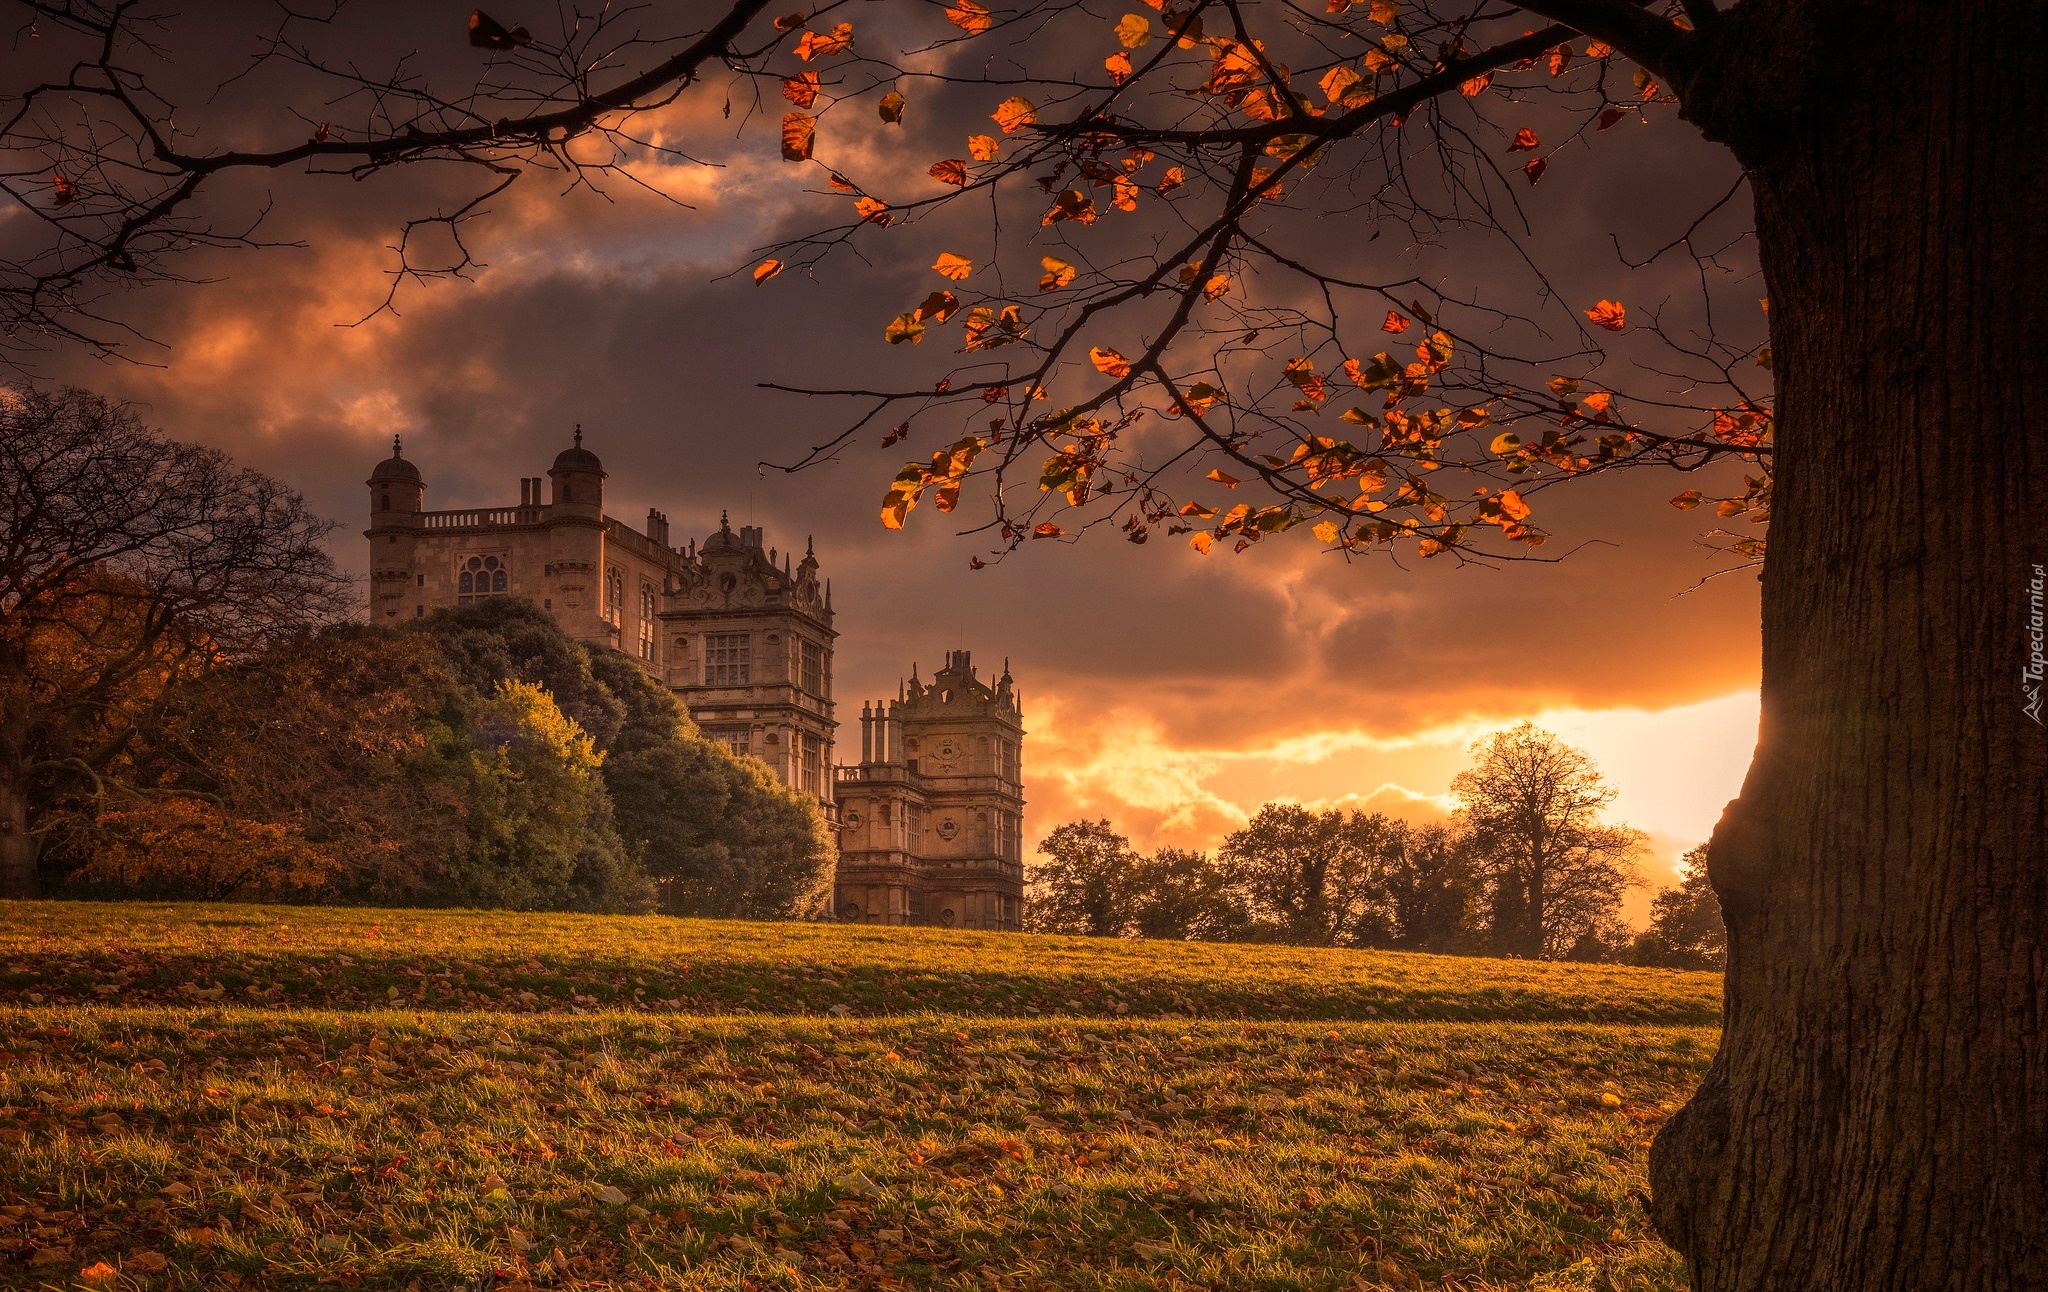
(614, 596)
(480, 576)
(647, 622)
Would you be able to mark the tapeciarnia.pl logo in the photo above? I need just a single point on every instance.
(2037, 640)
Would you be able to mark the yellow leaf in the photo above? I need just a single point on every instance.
(766, 270)
(1109, 362)
(1505, 443)
(905, 327)
(1216, 286)
(891, 108)
(1228, 482)
(983, 147)
(969, 17)
(1327, 532)
(954, 267)
(1383, 11)
(798, 130)
(1339, 82)
(1197, 510)
(1512, 506)
(1058, 273)
(1200, 542)
(1013, 114)
(1133, 31)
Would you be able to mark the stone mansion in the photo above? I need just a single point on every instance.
(930, 820)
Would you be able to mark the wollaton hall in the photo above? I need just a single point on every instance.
(930, 819)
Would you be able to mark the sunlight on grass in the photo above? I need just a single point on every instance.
(264, 1146)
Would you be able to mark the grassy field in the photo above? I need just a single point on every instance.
(267, 1097)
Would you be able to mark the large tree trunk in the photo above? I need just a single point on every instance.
(1877, 1117)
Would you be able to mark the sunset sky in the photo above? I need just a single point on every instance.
(1170, 692)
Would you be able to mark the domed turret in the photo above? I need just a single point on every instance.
(578, 477)
(397, 490)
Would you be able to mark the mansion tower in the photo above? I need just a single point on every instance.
(930, 819)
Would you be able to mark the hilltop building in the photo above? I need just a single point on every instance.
(930, 820)
(744, 640)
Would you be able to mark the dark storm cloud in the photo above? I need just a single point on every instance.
(1164, 688)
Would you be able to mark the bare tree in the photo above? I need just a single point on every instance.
(1553, 869)
(129, 565)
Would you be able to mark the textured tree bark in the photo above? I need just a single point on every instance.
(1877, 1116)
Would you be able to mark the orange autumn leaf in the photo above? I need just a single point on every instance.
(1525, 138)
(1200, 542)
(891, 108)
(1118, 65)
(1611, 315)
(766, 270)
(949, 172)
(1475, 87)
(798, 131)
(983, 147)
(1070, 205)
(969, 17)
(1512, 506)
(1045, 529)
(1534, 170)
(872, 210)
(1013, 114)
(1108, 362)
(1175, 176)
(1227, 481)
(1058, 273)
(801, 90)
(1395, 324)
(951, 266)
(825, 44)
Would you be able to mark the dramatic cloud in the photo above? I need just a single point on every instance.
(1169, 692)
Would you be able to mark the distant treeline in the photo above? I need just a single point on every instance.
(1527, 867)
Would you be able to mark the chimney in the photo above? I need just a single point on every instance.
(657, 526)
(867, 732)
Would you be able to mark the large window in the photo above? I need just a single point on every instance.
(813, 669)
(480, 576)
(733, 738)
(728, 659)
(614, 596)
(814, 765)
(647, 621)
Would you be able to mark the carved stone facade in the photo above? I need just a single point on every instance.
(932, 818)
(744, 640)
